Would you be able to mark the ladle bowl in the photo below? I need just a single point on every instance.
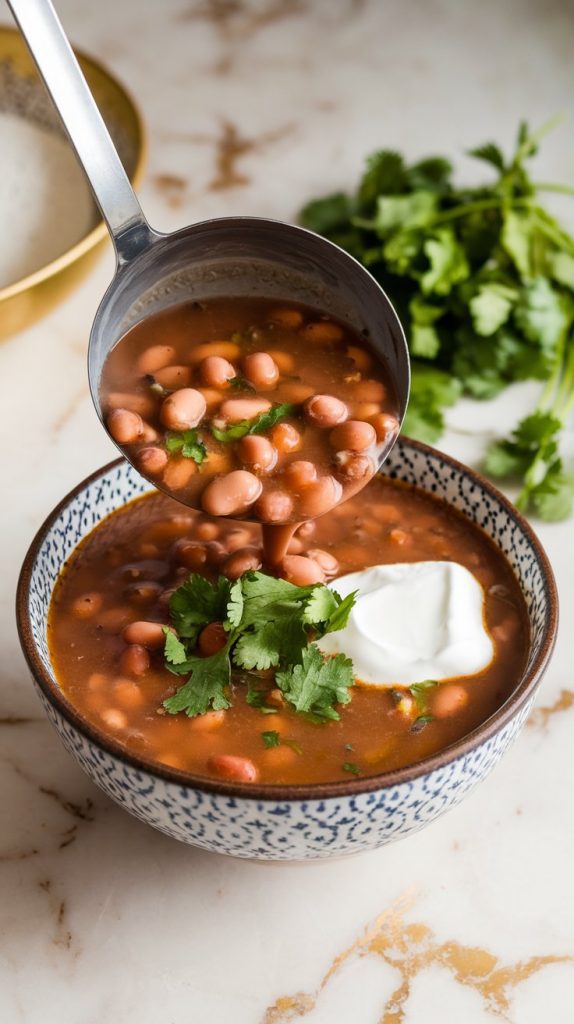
(231, 256)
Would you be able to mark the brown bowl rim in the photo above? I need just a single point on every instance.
(98, 233)
(352, 787)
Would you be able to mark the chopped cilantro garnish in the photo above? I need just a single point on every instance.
(259, 425)
(420, 692)
(186, 443)
(354, 769)
(420, 722)
(268, 621)
(270, 739)
(241, 384)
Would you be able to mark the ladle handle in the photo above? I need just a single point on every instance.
(84, 125)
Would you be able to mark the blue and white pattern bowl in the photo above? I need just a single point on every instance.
(290, 822)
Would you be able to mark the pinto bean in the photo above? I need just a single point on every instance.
(133, 401)
(192, 554)
(274, 507)
(178, 473)
(325, 410)
(286, 438)
(284, 361)
(369, 391)
(150, 434)
(212, 396)
(224, 349)
(125, 427)
(183, 410)
(87, 605)
(216, 552)
(291, 318)
(233, 410)
(155, 358)
(354, 435)
(278, 757)
(231, 494)
(143, 593)
(325, 559)
(151, 461)
(448, 699)
(207, 531)
(232, 768)
(295, 546)
(323, 332)
(212, 639)
(135, 660)
(128, 694)
(301, 571)
(320, 497)
(362, 359)
(144, 634)
(218, 462)
(114, 718)
(257, 452)
(216, 372)
(241, 561)
(353, 466)
(385, 425)
(261, 370)
(173, 377)
(236, 539)
(306, 530)
(300, 474)
(208, 722)
(366, 410)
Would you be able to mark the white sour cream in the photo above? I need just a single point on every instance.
(413, 621)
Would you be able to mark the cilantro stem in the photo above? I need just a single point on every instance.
(547, 186)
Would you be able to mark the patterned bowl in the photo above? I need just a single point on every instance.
(290, 822)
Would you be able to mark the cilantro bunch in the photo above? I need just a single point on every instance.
(483, 280)
(269, 623)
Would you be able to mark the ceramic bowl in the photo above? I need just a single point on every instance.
(39, 287)
(290, 822)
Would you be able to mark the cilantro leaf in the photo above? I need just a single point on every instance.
(541, 314)
(197, 603)
(270, 739)
(328, 214)
(317, 685)
(272, 642)
(174, 651)
(234, 609)
(206, 689)
(350, 766)
(447, 263)
(420, 692)
(259, 425)
(239, 383)
(431, 391)
(490, 153)
(491, 306)
(409, 211)
(256, 698)
(187, 443)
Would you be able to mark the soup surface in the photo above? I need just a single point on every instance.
(248, 409)
(106, 644)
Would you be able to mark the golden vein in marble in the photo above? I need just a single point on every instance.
(410, 948)
(541, 716)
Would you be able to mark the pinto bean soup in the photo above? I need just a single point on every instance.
(111, 602)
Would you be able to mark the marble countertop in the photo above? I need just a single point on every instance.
(253, 107)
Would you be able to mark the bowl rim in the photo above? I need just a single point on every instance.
(98, 233)
(355, 786)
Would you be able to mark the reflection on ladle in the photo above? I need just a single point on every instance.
(240, 256)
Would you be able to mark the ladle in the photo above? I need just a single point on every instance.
(229, 256)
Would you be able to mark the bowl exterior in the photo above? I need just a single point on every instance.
(284, 829)
(362, 814)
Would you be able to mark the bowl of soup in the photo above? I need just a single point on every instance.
(257, 779)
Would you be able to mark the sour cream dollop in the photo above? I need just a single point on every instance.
(413, 621)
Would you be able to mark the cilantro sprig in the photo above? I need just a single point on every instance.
(483, 279)
(270, 624)
(186, 443)
(259, 425)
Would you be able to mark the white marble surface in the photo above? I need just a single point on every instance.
(103, 919)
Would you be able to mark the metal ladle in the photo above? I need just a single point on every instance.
(229, 256)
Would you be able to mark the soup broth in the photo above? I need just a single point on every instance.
(123, 574)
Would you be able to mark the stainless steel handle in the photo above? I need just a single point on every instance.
(84, 125)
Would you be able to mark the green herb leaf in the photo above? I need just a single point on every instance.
(491, 306)
(352, 768)
(256, 698)
(448, 263)
(490, 153)
(420, 692)
(317, 685)
(259, 425)
(206, 689)
(270, 739)
(197, 603)
(239, 383)
(186, 443)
